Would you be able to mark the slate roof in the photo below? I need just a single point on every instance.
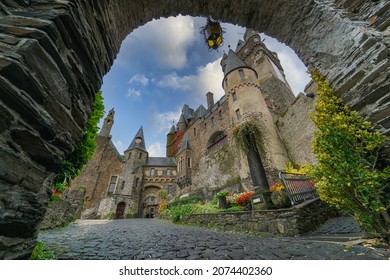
(141, 145)
(161, 161)
(185, 146)
(234, 62)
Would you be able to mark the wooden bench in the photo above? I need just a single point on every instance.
(298, 187)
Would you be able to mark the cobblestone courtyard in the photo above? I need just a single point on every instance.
(156, 239)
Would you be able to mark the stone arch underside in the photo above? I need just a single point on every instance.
(54, 54)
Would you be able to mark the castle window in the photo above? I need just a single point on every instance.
(170, 189)
(189, 162)
(238, 114)
(129, 156)
(152, 172)
(168, 172)
(226, 82)
(234, 96)
(241, 72)
(194, 131)
(217, 140)
(123, 185)
(111, 187)
(205, 126)
(212, 120)
(140, 155)
(220, 113)
(136, 182)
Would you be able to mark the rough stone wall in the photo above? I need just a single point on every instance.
(294, 221)
(297, 129)
(45, 102)
(96, 175)
(65, 210)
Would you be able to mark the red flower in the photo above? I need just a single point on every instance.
(244, 198)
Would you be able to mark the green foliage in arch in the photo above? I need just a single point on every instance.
(74, 163)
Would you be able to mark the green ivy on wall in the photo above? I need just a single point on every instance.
(347, 150)
(73, 164)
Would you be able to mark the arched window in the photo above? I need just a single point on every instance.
(216, 140)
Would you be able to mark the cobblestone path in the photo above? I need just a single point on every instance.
(155, 239)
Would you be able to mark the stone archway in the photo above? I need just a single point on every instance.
(53, 55)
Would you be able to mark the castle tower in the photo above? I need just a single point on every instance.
(272, 80)
(108, 123)
(184, 164)
(170, 139)
(132, 175)
(246, 103)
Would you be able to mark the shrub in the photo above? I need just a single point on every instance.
(40, 252)
(347, 151)
(184, 201)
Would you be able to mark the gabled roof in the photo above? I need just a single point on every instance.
(161, 161)
(141, 145)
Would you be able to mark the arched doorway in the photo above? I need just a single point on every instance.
(120, 210)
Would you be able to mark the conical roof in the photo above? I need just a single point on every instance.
(234, 62)
(138, 141)
(173, 129)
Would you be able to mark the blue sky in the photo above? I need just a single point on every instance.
(165, 64)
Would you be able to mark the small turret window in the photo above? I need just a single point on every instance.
(189, 162)
(140, 155)
(238, 114)
(226, 82)
(234, 96)
(242, 74)
(152, 172)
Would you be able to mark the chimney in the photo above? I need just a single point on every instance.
(210, 100)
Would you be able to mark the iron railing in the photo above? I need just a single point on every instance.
(298, 187)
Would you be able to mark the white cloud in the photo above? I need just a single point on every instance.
(139, 78)
(134, 93)
(161, 43)
(294, 70)
(208, 78)
(156, 150)
(162, 122)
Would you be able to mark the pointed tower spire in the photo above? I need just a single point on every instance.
(138, 141)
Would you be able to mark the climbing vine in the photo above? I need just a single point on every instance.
(347, 150)
(248, 134)
(71, 166)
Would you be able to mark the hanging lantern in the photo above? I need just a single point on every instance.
(212, 33)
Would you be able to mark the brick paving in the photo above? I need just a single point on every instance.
(156, 239)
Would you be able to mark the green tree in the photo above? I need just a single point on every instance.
(347, 150)
(74, 163)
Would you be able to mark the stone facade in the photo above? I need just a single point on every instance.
(120, 186)
(53, 55)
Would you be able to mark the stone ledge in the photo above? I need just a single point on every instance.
(294, 221)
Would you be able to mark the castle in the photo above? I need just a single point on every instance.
(201, 157)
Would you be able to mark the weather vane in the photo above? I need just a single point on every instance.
(213, 34)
